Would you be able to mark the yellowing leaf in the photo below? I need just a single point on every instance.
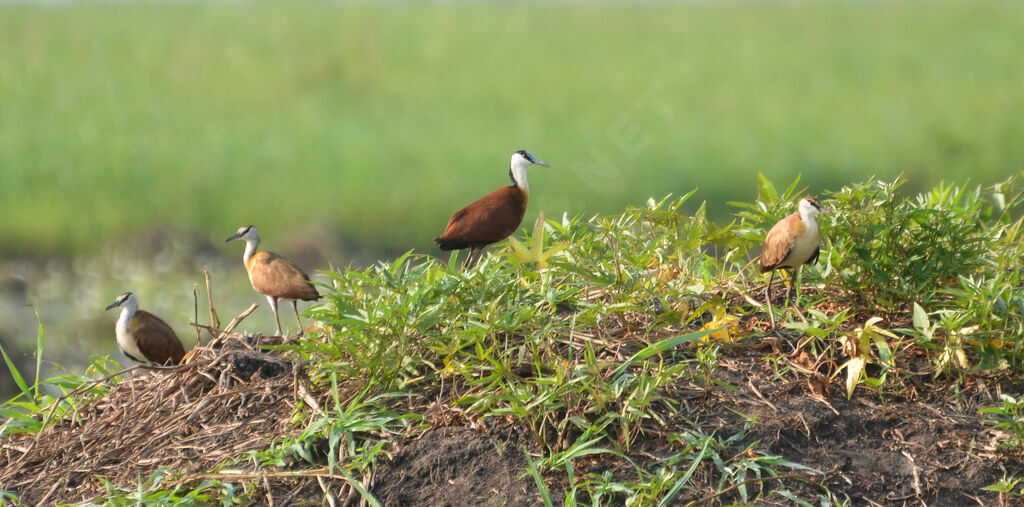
(520, 252)
(728, 324)
(535, 253)
(854, 372)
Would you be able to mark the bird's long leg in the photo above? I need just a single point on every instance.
(768, 298)
(789, 288)
(796, 298)
(295, 306)
(474, 255)
(273, 306)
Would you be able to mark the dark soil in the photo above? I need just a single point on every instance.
(898, 452)
(456, 466)
(865, 451)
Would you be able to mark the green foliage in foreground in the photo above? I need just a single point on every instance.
(377, 120)
(586, 353)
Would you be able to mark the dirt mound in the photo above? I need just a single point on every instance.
(880, 448)
(896, 452)
(455, 466)
(225, 401)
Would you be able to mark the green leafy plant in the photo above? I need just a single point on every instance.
(859, 350)
(888, 251)
(1008, 416)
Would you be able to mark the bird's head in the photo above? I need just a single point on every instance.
(246, 232)
(810, 206)
(523, 158)
(517, 168)
(126, 299)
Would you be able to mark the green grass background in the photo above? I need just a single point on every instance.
(376, 122)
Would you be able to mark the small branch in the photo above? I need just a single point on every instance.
(238, 475)
(214, 319)
(195, 305)
(238, 320)
(218, 333)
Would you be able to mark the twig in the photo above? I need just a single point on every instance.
(195, 304)
(759, 395)
(218, 333)
(238, 320)
(270, 493)
(238, 475)
(327, 491)
(214, 319)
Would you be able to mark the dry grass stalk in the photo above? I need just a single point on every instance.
(229, 399)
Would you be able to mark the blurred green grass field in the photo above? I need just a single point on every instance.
(376, 122)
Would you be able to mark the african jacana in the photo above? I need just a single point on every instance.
(144, 337)
(494, 216)
(792, 242)
(274, 276)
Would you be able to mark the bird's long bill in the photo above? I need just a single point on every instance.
(233, 236)
(113, 305)
(827, 211)
(541, 162)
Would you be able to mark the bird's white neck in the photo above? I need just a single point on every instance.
(128, 310)
(250, 249)
(518, 174)
(807, 215)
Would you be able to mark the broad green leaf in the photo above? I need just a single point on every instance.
(765, 190)
(14, 373)
(884, 353)
(920, 318)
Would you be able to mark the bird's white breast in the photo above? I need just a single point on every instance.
(125, 338)
(804, 245)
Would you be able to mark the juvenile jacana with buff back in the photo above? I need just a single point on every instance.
(791, 243)
(494, 216)
(144, 337)
(274, 276)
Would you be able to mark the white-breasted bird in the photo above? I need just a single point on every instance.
(494, 216)
(791, 243)
(144, 337)
(274, 276)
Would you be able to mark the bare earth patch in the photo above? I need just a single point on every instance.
(455, 466)
(900, 452)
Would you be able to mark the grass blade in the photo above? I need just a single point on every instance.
(17, 375)
(543, 488)
(661, 347)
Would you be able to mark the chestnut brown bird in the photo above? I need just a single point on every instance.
(494, 216)
(792, 242)
(144, 337)
(274, 276)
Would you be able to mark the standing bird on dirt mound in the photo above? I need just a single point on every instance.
(274, 276)
(144, 337)
(792, 242)
(494, 216)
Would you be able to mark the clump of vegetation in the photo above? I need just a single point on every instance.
(584, 334)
